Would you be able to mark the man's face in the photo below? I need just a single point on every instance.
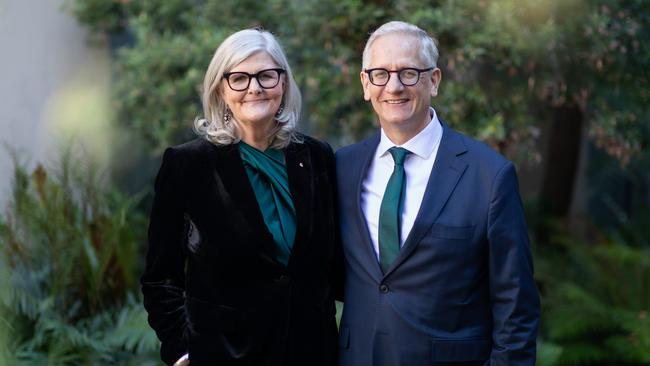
(397, 106)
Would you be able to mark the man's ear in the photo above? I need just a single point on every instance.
(436, 77)
(365, 83)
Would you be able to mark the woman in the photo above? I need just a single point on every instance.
(243, 250)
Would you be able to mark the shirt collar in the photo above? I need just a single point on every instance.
(421, 144)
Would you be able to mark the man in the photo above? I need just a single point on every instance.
(438, 265)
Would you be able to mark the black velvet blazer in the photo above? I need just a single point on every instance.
(212, 284)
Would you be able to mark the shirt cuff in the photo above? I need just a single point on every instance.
(183, 361)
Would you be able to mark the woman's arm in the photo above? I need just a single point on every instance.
(338, 268)
(163, 281)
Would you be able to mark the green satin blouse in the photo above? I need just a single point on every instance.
(267, 173)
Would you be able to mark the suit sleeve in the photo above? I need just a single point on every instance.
(163, 281)
(513, 294)
(338, 269)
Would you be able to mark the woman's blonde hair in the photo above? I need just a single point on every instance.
(232, 51)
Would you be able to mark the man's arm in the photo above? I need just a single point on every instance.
(513, 294)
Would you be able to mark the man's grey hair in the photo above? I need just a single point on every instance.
(428, 48)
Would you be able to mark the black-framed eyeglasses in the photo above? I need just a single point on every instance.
(408, 76)
(240, 81)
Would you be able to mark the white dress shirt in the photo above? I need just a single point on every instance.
(418, 165)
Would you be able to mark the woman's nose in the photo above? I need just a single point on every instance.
(254, 86)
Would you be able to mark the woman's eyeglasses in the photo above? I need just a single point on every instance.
(240, 81)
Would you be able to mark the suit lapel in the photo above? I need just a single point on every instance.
(369, 146)
(301, 184)
(235, 191)
(445, 175)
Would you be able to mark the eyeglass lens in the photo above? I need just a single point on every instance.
(240, 81)
(407, 76)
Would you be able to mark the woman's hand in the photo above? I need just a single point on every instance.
(183, 361)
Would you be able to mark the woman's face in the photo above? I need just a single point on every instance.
(254, 107)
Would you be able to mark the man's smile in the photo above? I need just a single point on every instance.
(396, 101)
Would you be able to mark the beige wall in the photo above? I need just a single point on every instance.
(46, 60)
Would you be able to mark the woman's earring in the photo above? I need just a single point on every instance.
(280, 110)
(226, 117)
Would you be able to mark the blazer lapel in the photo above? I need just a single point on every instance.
(364, 161)
(445, 175)
(301, 184)
(235, 191)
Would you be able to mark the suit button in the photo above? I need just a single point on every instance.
(383, 288)
(282, 278)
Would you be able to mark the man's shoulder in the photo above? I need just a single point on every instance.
(353, 150)
(470, 148)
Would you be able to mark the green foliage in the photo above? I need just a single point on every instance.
(99, 15)
(596, 302)
(506, 64)
(158, 86)
(617, 197)
(69, 265)
(520, 60)
(162, 108)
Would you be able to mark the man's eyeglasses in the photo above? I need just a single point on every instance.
(408, 76)
(240, 81)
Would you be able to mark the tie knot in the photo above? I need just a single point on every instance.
(399, 154)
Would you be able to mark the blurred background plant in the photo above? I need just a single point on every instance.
(595, 301)
(561, 87)
(529, 77)
(71, 249)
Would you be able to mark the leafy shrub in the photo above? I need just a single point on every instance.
(506, 64)
(69, 263)
(596, 304)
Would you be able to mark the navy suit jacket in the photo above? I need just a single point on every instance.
(461, 290)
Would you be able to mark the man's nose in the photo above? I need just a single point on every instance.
(394, 85)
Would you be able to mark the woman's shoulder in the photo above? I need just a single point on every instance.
(190, 155)
(313, 143)
(192, 151)
(197, 147)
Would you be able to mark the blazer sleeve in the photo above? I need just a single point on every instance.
(338, 269)
(163, 281)
(513, 294)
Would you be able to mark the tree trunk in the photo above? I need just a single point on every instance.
(560, 168)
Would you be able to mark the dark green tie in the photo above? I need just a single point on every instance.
(390, 212)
